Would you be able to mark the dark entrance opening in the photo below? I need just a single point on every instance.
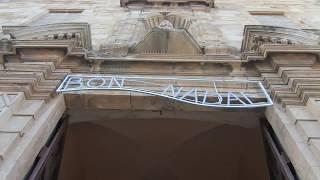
(118, 145)
(154, 149)
(280, 166)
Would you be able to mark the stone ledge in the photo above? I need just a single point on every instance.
(299, 152)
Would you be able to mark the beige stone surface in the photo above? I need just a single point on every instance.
(18, 152)
(16, 124)
(298, 150)
(8, 143)
(309, 129)
(314, 106)
(316, 175)
(227, 18)
(315, 147)
(29, 108)
(292, 79)
(300, 113)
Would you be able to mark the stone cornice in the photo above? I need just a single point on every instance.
(292, 78)
(259, 41)
(51, 34)
(76, 38)
(159, 3)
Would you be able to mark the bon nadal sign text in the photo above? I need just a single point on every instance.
(203, 92)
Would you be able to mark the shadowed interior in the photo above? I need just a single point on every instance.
(154, 149)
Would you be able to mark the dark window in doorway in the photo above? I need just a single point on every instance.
(47, 163)
(280, 166)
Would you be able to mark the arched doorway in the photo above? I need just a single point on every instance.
(162, 149)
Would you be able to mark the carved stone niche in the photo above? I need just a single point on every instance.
(259, 40)
(167, 3)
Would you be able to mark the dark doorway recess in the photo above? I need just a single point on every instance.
(157, 149)
(46, 166)
(280, 166)
(154, 149)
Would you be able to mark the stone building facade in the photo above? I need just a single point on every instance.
(46, 45)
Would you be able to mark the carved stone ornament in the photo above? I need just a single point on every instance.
(259, 40)
(73, 36)
(165, 24)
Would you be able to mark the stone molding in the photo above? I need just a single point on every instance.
(71, 35)
(259, 41)
(164, 3)
(291, 79)
(24, 129)
(298, 131)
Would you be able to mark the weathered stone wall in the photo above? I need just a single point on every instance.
(292, 79)
(106, 17)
